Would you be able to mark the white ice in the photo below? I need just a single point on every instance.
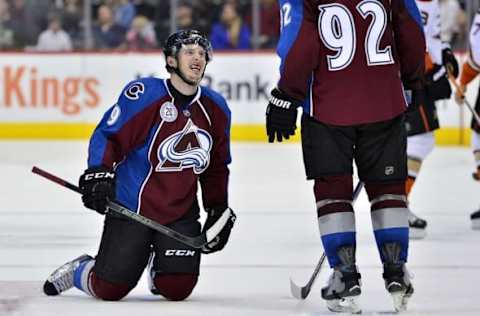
(43, 225)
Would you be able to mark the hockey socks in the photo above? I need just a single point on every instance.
(81, 276)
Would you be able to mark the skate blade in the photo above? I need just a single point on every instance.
(418, 233)
(476, 224)
(400, 301)
(344, 305)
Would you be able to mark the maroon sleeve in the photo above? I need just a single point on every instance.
(409, 42)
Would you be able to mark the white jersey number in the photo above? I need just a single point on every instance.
(285, 15)
(337, 31)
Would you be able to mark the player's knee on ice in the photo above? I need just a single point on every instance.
(174, 287)
(109, 291)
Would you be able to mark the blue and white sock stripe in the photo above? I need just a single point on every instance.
(391, 225)
(336, 229)
(81, 276)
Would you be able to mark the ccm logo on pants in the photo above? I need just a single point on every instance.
(179, 253)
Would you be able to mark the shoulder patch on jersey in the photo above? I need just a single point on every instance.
(134, 90)
(114, 115)
(168, 112)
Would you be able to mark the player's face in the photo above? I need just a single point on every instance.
(192, 60)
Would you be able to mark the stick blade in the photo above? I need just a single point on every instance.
(297, 291)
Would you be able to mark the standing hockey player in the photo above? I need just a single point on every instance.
(148, 153)
(344, 62)
(421, 122)
(469, 71)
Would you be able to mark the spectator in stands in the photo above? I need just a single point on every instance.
(454, 22)
(148, 7)
(124, 13)
(107, 34)
(6, 30)
(25, 26)
(231, 32)
(141, 34)
(72, 16)
(269, 23)
(208, 10)
(54, 38)
(185, 18)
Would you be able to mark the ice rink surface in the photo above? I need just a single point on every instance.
(43, 225)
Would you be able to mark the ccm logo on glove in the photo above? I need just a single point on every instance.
(100, 175)
(179, 253)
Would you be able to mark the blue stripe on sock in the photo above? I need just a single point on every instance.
(332, 242)
(397, 235)
(77, 276)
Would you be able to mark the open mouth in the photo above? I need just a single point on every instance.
(195, 68)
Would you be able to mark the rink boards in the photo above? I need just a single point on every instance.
(62, 96)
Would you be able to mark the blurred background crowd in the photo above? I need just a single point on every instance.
(123, 25)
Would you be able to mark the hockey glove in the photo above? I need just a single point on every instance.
(437, 85)
(221, 239)
(98, 186)
(281, 116)
(449, 61)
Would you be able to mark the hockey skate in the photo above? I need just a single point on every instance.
(343, 288)
(475, 217)
(396, 276)
(62, 278)
(418, 226)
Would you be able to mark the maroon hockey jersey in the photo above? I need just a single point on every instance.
(162, 149)
(347, 58)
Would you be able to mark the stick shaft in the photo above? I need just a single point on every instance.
(195, 242)
(457, 87)
(56, 179)
(302, 292)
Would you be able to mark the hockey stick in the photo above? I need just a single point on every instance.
(301, 292)
(455, 84)
(195, 242)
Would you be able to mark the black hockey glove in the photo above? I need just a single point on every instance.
(98, 186)
(281, 116)
(449, 61)
(221, 239)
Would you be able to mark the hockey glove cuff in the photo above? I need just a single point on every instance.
(219, 242)
(281, 116)
(98, 186)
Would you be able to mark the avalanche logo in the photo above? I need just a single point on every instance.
(189, 148)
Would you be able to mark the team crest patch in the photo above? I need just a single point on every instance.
(135, 90)
(168, 112)
(114, 115)
(188, 148)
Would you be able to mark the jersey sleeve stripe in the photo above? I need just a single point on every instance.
(290, 33)
(413, 11)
